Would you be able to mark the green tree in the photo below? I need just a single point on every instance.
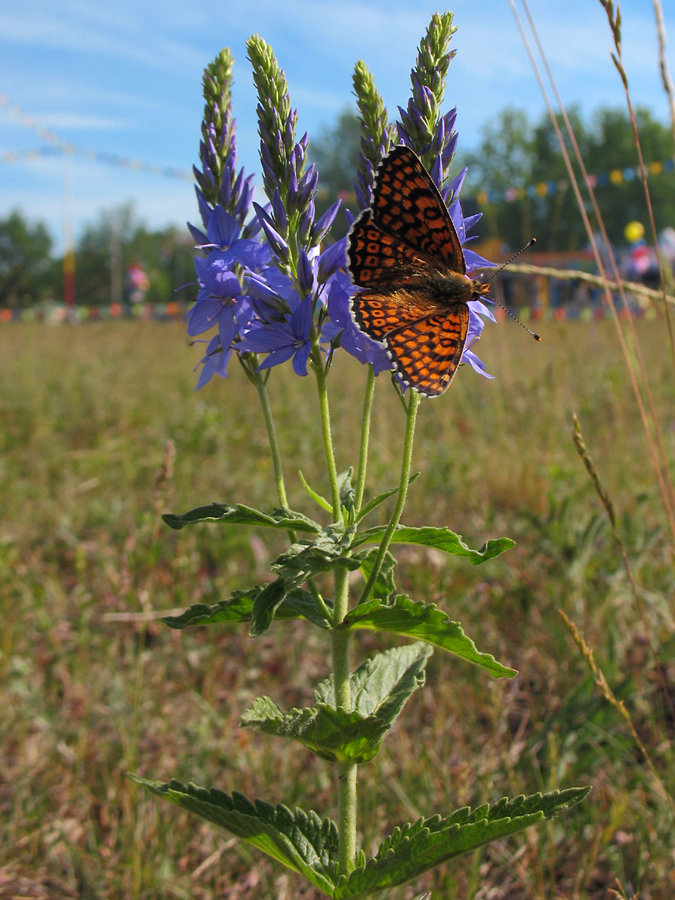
(25, 262)
(516, 154)
(108, 247)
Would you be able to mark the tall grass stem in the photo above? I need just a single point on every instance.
(659, 460)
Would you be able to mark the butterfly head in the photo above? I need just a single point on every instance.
(481, 288)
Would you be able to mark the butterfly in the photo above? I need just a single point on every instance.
(405, 253)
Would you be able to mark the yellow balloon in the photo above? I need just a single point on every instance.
(634, 231)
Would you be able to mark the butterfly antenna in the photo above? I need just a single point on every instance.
(501, 268)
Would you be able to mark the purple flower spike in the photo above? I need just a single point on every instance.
(214, 363)
(279, 212)
(456, 183)
(307, 221)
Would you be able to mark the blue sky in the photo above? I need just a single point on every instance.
(125, 78)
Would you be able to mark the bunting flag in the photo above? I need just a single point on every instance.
(57, 146)
(547, 188)
(59, 313)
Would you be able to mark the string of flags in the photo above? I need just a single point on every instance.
(59, 313)
(57, 146)
(546, 188)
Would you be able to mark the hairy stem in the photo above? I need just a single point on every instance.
(346, 816)
(261, 387)
(343, 698)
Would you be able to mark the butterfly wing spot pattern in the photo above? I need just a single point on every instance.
(405, 254)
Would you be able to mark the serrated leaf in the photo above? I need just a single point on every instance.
(301, 841)
(333, 734)
(243, 515)
(439, 539)
(375, 502)
(414, 849)
(297, 604)
(317, 498)
(384, 585)
(379, 678)
(380, 688)
(424, 622)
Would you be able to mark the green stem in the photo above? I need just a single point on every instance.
(340, 646)
(413, 405)
(365, 437)
(261, 387)
(346, 817)
(343, 699)
(326, 434)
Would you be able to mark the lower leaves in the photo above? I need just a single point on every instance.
(308, 845)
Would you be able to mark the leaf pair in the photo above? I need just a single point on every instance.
(309, 845)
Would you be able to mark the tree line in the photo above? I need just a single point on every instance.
(104, 254)
(514, 153)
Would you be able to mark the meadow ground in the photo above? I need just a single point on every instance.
(85, 416)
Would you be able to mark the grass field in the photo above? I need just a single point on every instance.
(85, 416)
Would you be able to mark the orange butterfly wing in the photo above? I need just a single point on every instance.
(400, 250)
(407, 203)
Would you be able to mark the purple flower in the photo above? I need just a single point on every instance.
(286, 338)
(213, 363)
(476, 309)
(219, 302)
(222, 233)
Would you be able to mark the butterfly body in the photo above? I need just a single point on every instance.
(405, 254)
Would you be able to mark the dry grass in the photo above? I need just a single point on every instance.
(85, 415)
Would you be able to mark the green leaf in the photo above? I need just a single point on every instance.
(302, 559)
(297, 604)
(386, 679)
(333, 734)
(375, 502)
(346, 493)
(301, 841)
(327, 551)
(438, 538)
(425, 622)
(317, 498)
(414, 849)
(384, 585)
(267, 603)
(243, 515)
(380, 688)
